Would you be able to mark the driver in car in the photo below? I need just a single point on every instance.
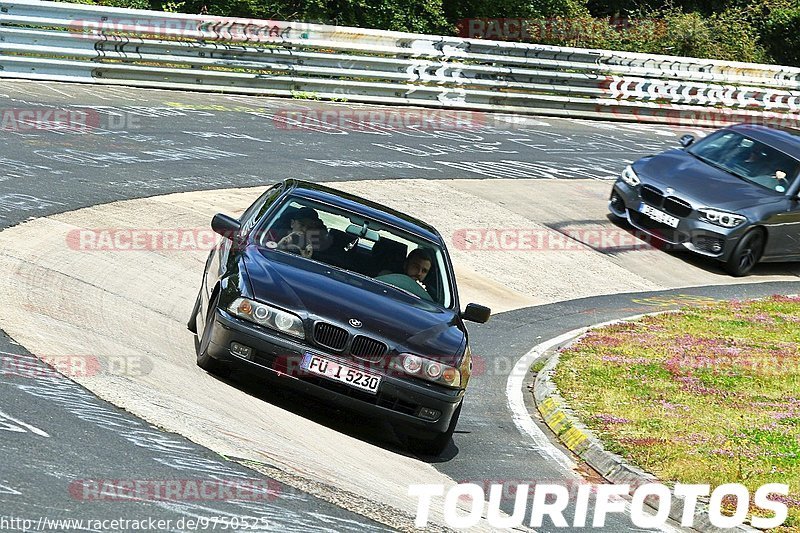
(417, 265)
(415, 269)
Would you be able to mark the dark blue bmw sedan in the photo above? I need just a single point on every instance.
(343, 299)
(732, 196)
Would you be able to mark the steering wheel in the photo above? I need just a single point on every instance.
(287, 244)
(781, 180)
(295, 249)
(289, 247)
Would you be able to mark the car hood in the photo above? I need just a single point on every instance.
(700, 183)
(319, 292)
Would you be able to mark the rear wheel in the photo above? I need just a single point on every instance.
(436, 445)
(201, 344)
(746, 254)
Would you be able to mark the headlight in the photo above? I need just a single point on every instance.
(722, 218)
(630, 177)
(427, 369)
(412, 364)
(265, 315)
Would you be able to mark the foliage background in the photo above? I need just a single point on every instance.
(764, 31)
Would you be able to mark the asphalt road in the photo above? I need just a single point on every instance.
(115, 143)
(149, 142)
(71, 457)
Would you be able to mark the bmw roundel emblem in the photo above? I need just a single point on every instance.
(355, 323)
(670, 190)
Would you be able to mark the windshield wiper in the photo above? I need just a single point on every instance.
(719, 166)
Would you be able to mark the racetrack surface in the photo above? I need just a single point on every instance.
(68, 300)
(133, 143)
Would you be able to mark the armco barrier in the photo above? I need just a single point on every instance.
(57, 41)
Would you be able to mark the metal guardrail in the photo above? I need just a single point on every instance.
(44, 40)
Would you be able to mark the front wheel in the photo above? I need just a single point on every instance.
(746, 254)
(436, 445)
(201, 344)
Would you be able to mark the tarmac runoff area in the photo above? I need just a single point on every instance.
(71, 301)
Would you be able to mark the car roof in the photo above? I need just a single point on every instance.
(362, 206)
(784, 139)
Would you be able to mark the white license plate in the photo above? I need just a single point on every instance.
(659, 216)
(342, 373)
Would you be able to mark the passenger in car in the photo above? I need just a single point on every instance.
(308, 233)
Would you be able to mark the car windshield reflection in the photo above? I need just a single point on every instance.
(352, 242)
(748, 159)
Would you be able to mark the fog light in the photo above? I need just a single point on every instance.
(428, 413)
(716, 247)
(240, 350)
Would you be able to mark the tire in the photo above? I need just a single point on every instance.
(204, 359)
(436, 445)
(746, 254)
(192, 324)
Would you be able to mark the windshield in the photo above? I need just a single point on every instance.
(748, 159)
(350, 241)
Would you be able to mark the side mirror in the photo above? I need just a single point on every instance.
(476, 313)
(226, 226)
(686, 140)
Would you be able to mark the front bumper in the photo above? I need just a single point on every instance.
(691, 233)
(276, 357)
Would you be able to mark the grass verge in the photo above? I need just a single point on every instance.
(708, 395)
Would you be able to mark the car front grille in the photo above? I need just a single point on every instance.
(330, 336)
(676, 206)
(671, 204)
(368, 349)
(652, 196)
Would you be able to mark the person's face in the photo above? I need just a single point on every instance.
(418, 268)
(297, 225)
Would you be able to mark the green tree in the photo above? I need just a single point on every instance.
(781, 35)
(421, 16)
(456, 10)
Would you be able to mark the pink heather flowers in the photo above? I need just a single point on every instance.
(788, 500)
(611, 419)
(723, 452)
(625, 360)
(672, 406)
